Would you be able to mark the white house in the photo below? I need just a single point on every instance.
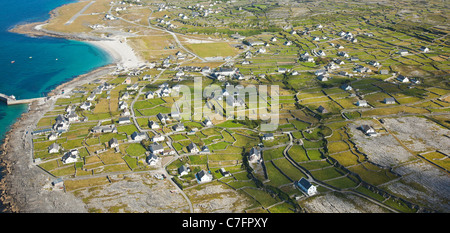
(225, 71)
(374, 63)
(389, 100)
(205, 150)
(124, 120)
(183, 170)
(342, 54)
(203, 176)
(307, 58)
(70, 157)
(163, 117)
(368, 130)
(149, 95)
(61, 123)
(254, 155)
(322, 78)
(268, 136)
(152, 160)
(72, 116)
(307, 187)
(207, 122)
(153, 125)
(91, 97)
(193, 148)
(123, 105)
(362, 103)
(178, 127)
(403, 79)
(138, 136)
(403, 52)
(424, 49)
(113, 143)
(255, 43)
(320, 72)
(321, 53)
(156, 148)
(53, 148)
(86, 105)
(282, 70)
(53, 136)
(346, 87)
(158, 138)
(125, 96)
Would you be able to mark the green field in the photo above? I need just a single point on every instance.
(212, 49)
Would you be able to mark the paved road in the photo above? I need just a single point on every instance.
(79, 13)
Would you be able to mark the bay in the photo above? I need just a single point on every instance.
(32, 67)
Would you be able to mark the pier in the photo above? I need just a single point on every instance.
(11, 100)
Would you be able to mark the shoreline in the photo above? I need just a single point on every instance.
(22, 184)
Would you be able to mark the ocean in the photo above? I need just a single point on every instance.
(40, 64)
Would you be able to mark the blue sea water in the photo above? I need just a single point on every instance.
(40, 64)
(53, 60)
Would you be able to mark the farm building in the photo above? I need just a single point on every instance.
(307, 187)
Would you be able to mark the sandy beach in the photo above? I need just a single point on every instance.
(25, 187)
(122, 53)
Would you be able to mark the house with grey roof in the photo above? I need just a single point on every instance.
(362, 103)
(346, 87)
(321, 109)
(203, 176)
(192, 147)
(384, 72)
(402, 78)
(205, 150)
(124, 120)
(424, 49)
(70, 157)
(403, 52)
(52, 136)
(254, 155)
(307, 187)
(178, 127)
(138, 136)
(389, 100)
(153, 125)
(162, 117)
(113, 143)
(104, 129)
(53, 148)
(268, 136)
(156, 148)
(152, 159)
(368, 130)
(158, 138)
(183, 170)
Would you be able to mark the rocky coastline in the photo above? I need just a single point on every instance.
(24, 187)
